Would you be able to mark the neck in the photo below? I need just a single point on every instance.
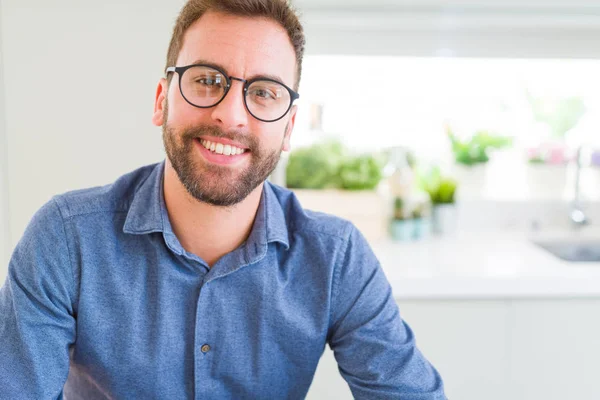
(194, 221)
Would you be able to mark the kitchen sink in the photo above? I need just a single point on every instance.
(573, 251)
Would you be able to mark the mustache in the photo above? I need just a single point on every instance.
(244, 139)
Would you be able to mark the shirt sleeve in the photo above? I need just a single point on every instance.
(37, 322)
(374, 348)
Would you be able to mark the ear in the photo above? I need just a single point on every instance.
(289, 127)
(158, 117)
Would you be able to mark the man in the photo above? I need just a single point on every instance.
(195, 278)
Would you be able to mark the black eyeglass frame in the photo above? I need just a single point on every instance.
(181, 70)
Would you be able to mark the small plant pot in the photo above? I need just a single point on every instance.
(421, 228)
(444, 219)
(402, 229)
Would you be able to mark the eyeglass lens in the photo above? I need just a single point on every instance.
(205, 87)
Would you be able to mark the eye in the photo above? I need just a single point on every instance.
(265, 92)
(262, 93)
(209, 80)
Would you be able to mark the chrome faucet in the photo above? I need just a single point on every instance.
(577, 215)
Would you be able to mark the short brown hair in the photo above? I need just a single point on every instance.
(280, 11)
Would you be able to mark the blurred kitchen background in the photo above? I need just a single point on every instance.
(462, 137)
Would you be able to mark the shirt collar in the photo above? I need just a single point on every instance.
(148, 212)
(145, 211)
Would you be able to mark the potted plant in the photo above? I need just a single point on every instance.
(316, 166)
(401, 226)
(546, 172)
(442, 193)
(360, 172)
(327, 177)
(471, 156)
(408, 222)
(547, 161)
(421, 224)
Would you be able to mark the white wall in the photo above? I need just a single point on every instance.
(4, 229)
(80, 79)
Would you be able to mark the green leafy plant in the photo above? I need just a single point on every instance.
(441, 189)
(315, 167)
(398, 209)
(419, 211)
(561, 115)
(329, 165)
(362, 172)
(475, 150)
(444, 192)
(537, 160)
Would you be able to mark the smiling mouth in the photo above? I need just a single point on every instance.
(221, 149)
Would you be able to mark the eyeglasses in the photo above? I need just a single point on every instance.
(204, 86)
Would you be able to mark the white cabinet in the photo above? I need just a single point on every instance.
(498, 349)
(555, 349)
(465, 340)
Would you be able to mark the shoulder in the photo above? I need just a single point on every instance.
(320, 238)
(113, 197)
(302, 221)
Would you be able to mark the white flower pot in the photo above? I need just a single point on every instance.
(471, 180)
(444, 219)
(546, 181)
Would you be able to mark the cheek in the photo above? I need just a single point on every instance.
(182, 114)
(271, 135)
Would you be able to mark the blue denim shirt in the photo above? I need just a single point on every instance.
(102, 301)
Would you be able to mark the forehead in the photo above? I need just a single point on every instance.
(244, 46)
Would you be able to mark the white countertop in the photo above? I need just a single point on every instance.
(485, 266)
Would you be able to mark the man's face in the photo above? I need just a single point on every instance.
(243, 48)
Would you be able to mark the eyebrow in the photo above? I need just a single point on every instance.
(222, 68)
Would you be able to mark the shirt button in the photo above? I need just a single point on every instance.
(205, 348)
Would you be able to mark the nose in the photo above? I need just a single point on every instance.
(231, 113)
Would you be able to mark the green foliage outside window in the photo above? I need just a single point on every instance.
(329, 165)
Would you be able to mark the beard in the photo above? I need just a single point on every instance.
(218, 185)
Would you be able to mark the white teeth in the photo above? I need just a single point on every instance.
(220, 148)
